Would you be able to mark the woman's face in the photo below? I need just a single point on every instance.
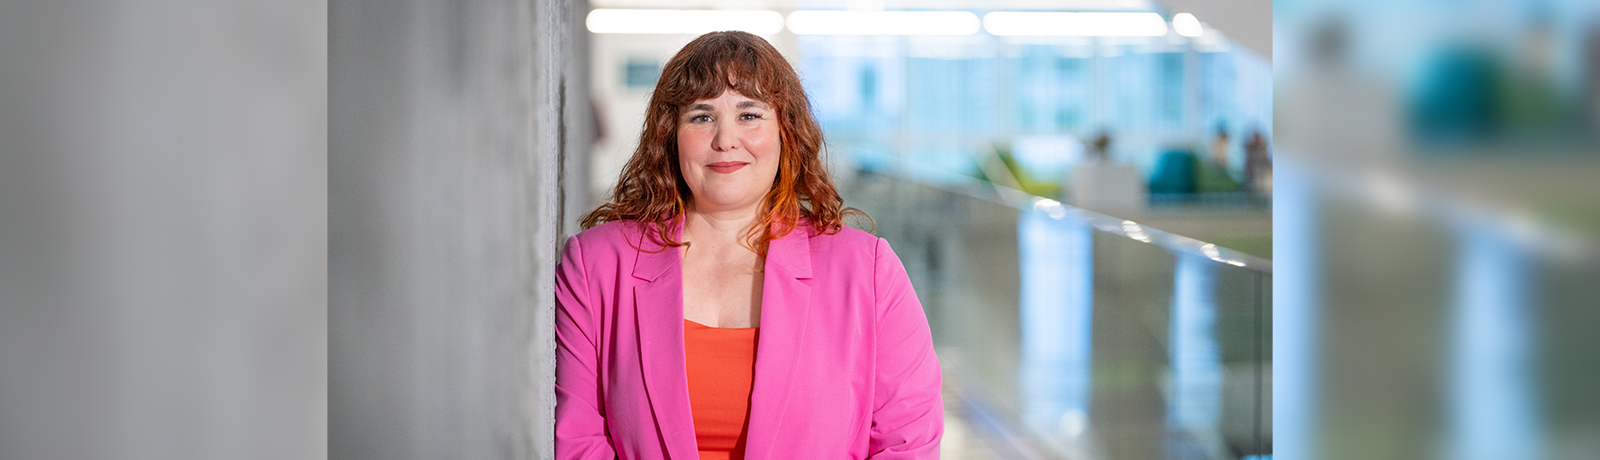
(728, 149)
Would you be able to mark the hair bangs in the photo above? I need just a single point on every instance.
(720, 65)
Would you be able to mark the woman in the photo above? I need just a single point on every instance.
(716, 307)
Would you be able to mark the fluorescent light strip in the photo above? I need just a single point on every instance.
(883, 23)
(1187, 25)
(1075, 24)
(695, 22)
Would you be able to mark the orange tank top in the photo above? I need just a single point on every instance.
(722, 366)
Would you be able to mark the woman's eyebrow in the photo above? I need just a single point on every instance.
(702, 106)
(749, 104)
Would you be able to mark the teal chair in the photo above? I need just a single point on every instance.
(1174, 173)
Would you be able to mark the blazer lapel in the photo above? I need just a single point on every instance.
(658, 310)
(785, 302)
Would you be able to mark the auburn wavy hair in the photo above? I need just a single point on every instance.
(651, 189)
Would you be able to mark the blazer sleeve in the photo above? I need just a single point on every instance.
(908, 412)
(580, 415)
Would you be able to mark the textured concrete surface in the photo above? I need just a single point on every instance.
(450, 128)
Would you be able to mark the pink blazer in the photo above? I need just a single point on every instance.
(845, 366)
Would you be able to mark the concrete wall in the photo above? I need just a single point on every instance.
(162, 230)
(450, 129)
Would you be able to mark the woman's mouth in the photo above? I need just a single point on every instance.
(726, 166)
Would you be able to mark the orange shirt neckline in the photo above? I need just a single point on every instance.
(720, 364)
(690, 322)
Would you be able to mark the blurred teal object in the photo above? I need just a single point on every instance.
(1174, 173)
(1456, 101)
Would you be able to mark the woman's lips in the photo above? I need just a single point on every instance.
(726, 166)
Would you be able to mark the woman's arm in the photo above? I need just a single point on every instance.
(908, 413)
(580, 420)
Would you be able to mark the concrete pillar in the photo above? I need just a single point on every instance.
(162, 191)
(453, 127)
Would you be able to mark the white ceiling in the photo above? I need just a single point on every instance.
(1246, 22)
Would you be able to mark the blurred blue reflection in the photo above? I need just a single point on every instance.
(1196, 397)
(1491, 398)
(1057, 297)
(1295, 311)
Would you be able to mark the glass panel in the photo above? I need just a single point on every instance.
(1068, 334)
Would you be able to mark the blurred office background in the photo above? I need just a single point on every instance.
(1080, 191)
(1401, 266)
(1435, 229)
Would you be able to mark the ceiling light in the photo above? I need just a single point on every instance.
(883, 23)
(1186, 25)
(1075, 24)
(694, 22)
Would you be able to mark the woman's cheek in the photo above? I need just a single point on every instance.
(768, 139)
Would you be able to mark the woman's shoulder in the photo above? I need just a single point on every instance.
(614, 236)
(613, 230)
(844, 235)
(847, 241)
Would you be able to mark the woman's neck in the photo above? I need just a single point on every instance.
(718, 228)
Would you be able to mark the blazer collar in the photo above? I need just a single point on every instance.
(792, 252)
(785, 309)
(655, 257)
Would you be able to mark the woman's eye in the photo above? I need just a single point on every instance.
(750, 116)
(699, 118)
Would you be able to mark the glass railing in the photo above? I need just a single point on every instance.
(1070, 334)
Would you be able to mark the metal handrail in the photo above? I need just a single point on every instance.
(1024, 201)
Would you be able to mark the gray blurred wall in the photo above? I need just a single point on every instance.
(454, 128)
(1246, 22)
(163, 229)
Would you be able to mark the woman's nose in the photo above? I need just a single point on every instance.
(725, 138)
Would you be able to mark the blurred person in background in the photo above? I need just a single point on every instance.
(717, 307)
(1257, 164)
(1100, 148)
(1212, 173)
(1219, 146)
(1534, 103)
